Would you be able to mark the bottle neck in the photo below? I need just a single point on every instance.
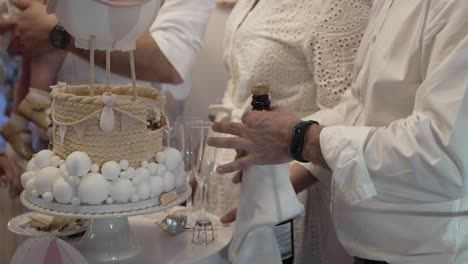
(261, 102)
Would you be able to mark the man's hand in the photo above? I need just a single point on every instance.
(32, 28)
(264, 138)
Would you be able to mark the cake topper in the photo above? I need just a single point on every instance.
(106, 25)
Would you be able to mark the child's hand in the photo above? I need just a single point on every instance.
(11, 176)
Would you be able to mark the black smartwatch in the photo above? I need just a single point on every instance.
(297, 139)
(59, 37)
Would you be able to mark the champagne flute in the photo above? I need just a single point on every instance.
(180, 140)
(203, 163)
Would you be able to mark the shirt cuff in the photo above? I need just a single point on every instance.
(342, 148)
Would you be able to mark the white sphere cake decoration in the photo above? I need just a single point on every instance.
(76, 201)
(45, 178)
(32, 165)
(110, 170)
(161, 169)
(144, 191)
(123, 175)
(34, 193)
(78, 163)
(169, 181)
(135, 198)
(48, 197)
(161, 157)
(180, 179)
(95, 168)
(152, 168)
(43, 158)
(141, 175)
(109, 200)
(62, 162)
(73, 180)
(130, 172)
(55, 161)
(65, 175)
(157, 186)
(121, 190)
(124, 164)
(144, 164)
(93, 189)
(63, 191)
(25, 177)
(173, 158)
(63, 168)
(30, 185)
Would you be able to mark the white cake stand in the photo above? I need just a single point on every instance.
(109, 237)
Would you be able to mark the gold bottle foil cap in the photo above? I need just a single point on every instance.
(260, 89)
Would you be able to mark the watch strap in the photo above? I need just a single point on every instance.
(298, 138)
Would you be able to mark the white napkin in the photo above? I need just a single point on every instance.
(267, 198)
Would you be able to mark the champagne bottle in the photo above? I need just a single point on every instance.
(284, 231)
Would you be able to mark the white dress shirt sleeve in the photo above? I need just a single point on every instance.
(424, 157)
(179, 31)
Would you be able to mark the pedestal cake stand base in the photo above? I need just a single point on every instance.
(109, 237)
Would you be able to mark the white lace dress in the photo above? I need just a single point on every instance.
(305, 50)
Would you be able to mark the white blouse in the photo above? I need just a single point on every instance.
(304, 49)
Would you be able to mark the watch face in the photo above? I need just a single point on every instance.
(59, 37)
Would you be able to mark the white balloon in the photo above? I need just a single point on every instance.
(78, 163)
(45, 178)
(93, 189)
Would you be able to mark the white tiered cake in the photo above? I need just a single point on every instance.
(106, 153)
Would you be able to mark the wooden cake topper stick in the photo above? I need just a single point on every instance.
(108, 87)
(92, 44)
(132, 69)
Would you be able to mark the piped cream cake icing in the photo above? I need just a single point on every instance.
(105, 150)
